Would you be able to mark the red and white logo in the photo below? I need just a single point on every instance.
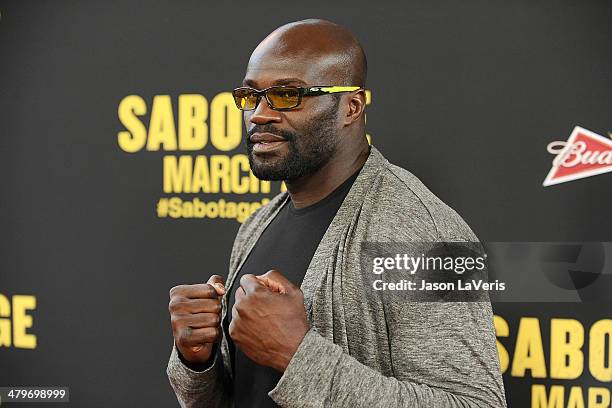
(584, 154)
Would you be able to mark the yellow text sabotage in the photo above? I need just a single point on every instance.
(176, 207)
(14, 321)
(567, 355)
(192, 133)
(573, 351)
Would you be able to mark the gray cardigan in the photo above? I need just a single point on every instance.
(361, 352)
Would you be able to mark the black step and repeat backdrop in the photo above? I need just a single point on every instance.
(123, 170)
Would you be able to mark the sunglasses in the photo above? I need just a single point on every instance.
(282, 97)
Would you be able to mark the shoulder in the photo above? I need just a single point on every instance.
(403, 208)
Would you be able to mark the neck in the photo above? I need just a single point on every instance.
(309, 189)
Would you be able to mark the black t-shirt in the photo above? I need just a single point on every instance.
(287, 245)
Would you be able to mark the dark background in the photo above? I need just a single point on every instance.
(466, 95)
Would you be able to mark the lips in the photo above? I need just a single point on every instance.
(266, 142)
(265, 138)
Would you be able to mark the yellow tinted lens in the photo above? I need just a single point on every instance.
(283, 98)
(245, 99)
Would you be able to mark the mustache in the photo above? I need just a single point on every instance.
(289, 136)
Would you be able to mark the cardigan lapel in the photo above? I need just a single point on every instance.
(315, 274)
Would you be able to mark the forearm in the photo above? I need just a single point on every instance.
(208, 388)
(321, 374)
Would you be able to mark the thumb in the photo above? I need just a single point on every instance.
(218, 283)
(276, 281)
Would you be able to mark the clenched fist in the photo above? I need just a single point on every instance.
(268, 319)
(195, 314)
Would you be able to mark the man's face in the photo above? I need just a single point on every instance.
(309, 132)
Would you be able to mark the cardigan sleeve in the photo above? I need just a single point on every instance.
(208, 388)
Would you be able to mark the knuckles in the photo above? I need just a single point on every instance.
(234, 333)
(239, 307)
(175, 304)
(175, 289)
(206, 290)
(179, 304)
(183, 337)
(178, 323)
(211, 334)
(186, 336)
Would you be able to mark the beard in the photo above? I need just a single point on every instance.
(307, 151)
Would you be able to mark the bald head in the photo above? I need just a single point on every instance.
(323, 132)
(323, 50)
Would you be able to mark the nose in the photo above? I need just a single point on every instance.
(263, 113)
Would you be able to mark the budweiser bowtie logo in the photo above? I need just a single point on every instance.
(584, 154)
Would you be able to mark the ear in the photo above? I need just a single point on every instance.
(356, 106)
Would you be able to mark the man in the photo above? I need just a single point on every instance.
(294, 324)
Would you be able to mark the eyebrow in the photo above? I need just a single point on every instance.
(282, 81)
